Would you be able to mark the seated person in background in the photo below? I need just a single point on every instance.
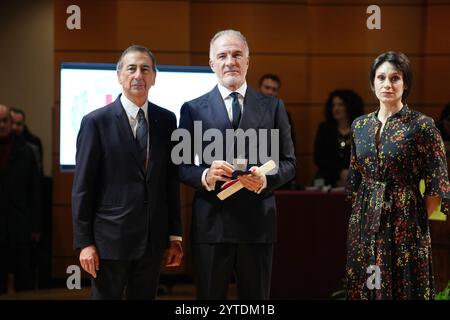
(332, 143)
(444, 126)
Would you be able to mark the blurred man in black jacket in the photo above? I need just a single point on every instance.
(19, 205)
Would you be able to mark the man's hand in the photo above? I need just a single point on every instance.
(219, 171)
(174, 254)
(89, 260)
(252, 181)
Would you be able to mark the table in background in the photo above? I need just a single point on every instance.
(309, 255)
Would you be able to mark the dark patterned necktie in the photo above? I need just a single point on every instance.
(142, 137)
(236, 108)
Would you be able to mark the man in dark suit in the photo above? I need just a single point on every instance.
(125, 197)
(237, 234)
(20, 199)
(21, 128)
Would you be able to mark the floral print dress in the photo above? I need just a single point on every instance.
(388, 227)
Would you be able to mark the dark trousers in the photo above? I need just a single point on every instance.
(215, 263)
(17, 259)
(133, 279)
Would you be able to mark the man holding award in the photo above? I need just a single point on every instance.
(235, 234)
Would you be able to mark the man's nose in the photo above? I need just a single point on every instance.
(230, 60)
(138, 74)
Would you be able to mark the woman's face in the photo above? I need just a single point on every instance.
(388, 84)
(339, 109)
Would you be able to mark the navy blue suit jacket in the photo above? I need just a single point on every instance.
(245, 217)
(116, 205)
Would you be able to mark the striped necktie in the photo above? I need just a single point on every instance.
(142, 137)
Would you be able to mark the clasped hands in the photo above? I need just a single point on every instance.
(221, 170)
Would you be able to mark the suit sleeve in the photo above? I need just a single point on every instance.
(189, 173)
(287, 163)
(84, 185)
(173, 190)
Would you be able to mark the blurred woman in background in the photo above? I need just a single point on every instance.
(332, 143)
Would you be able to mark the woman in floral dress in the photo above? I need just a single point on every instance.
(393, 148)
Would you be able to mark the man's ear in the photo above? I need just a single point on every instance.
(211, 65)
(154, 79)
(118, 77)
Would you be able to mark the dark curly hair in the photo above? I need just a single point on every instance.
(353, 103)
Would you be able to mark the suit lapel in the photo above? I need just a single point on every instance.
(254, 110)
(125, 133)
(154, 140)
(217, 111)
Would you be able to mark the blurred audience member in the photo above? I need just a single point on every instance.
(19, 205)
(332, 143)
(41, 254)
(19, 127)
(270, 84)
(444, 126)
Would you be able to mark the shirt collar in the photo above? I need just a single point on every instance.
(225, 92)
(402, 112)
(130, 108)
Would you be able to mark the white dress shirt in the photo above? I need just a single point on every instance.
(132, 113)
(228, 100)
(132, 110)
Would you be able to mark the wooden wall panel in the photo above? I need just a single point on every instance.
(292, 71)
(98, 26)
(300, 118)
(158, 25)
(62, 232)
(328, 73)
(438, 29)
(437, 79)
(60, 264)
(343, 30)
(336, 3)
(62, 181)
(305, 169)
(432, 111)
(268, 27)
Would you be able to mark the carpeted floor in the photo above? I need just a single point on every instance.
(176, 292)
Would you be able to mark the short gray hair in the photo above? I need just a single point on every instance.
(226, 32)
(136, 48)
